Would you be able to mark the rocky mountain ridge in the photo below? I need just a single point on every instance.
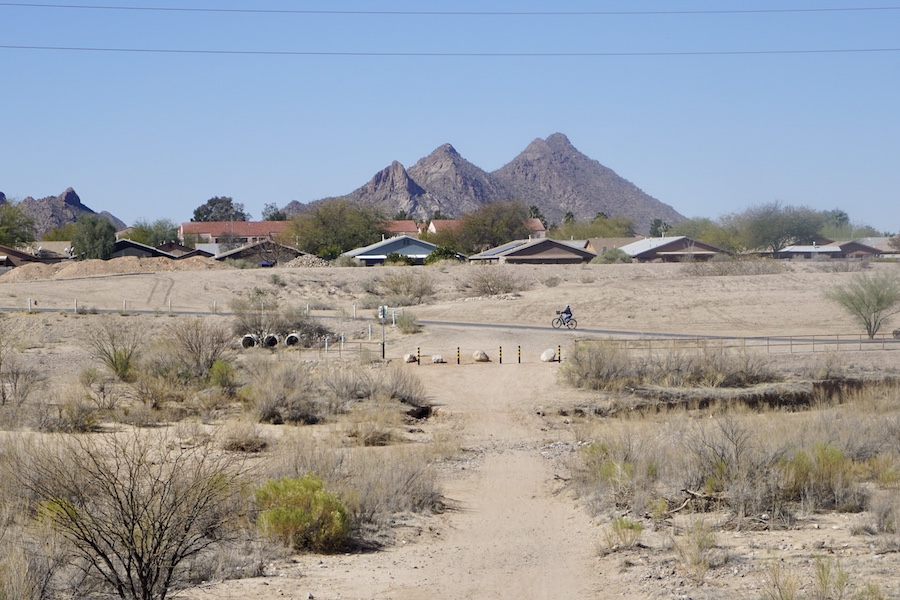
(55, 211)
(550, 174)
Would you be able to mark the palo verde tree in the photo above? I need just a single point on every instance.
(869, 298)
(493, 224)
(773, 226)
(94, 237)
(136, 508)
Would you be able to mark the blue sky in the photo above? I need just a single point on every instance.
(708, 111)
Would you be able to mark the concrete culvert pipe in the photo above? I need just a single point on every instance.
(270, 341)
(249, 340)
(292, 339)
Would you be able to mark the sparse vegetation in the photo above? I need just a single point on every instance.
(869, 299)
(492, 280)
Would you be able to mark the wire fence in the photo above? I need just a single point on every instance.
(770, 345)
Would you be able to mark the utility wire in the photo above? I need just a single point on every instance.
(448, 54)
(455, 13)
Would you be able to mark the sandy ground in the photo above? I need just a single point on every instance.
(513, 528)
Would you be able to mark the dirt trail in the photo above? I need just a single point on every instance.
(512, 532)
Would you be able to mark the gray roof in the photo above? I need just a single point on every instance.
(640, 246)
(404, 245)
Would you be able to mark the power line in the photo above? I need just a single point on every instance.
(449, 54)
(452, 13)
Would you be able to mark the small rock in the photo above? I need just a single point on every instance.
(437, 359)
(409, 358)
(480, 356)
(548, 355)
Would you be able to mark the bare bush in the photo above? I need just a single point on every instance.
(414, 287)
(136, 508)
(405, 386)
(116, 342)
(727, 266)
(282, 393)
(492, 280)
(196, 344)
(258, 312)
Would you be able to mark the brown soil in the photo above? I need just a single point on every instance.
(513, 528)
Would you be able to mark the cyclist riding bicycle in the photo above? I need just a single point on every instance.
(565, 314)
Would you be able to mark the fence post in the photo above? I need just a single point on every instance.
(354, 311)
(170, 306)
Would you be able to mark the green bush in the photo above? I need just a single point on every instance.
(611, 256)
(407, 322)
(441, 253)
(302, 514)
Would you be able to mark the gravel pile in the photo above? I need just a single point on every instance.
(306, 260)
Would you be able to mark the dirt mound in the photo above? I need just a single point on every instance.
(115, 266)
(306, 260)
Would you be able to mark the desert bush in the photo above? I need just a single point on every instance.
(282, 393)
(19, 380)
(403, 385)
(374, 423)
(780, 583)
(552, 281)
(136, 508)
(722, 266)
(414, 285)
(223, 375)
(299, 452)
(395, 258)
(695, 550)
(348, 382)
(394, 480)
(492, 280)
(302, 514)
(117, 344)
(73, 415)
(442, 254)
(604, 366)
(847, 265)
(611, 256)
(623, 533)
(101, 389)
(244, 436)
(823, 477)
(407, 322)
(346, 261)
(196, 344)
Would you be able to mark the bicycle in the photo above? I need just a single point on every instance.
(571, 323)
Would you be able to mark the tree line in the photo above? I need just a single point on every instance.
(333, 227)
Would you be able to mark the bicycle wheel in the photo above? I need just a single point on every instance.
(557, 323)
(571, 323)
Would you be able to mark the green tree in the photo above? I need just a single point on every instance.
(535, 213)
(15, 226)
(63, 233)
(94, 237)
(494, 224)
(773, 226)
(869, 299)
(599, 227)
(569, 217)
(220, 208)
(334, 227)
(659, 228)
(719, 234)
(271, 212)
(153, 234)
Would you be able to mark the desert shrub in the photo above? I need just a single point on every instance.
(196, 344)
(847, 265)
(623, 533)
(223, 374)
(101, 389)
(346, 261)
(492, 280)
(598, 366)
(117, 344)
(374, 423)
(611, 256)
(73, 415)
(780, 583)
(282, 393)
(413, 285)
(302, 514)
(605, 366)
(721, 266)
(394, 481)
(552, 281)
(395, 258)
(403, 385)
(348, 383)
(695, 550)
(136, 508)
(407, 322)
(823, 477)
(244, 437)
(441, 253)
(299, 452)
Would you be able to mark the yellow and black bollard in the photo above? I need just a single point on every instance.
(501, 355)
(457, 355)
(519, 353)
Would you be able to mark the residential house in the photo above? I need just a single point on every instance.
(404, 245)
(265, 253)
(601, 245)
(541, 251)
(440, 225)
(670, 249)
(403, 227)
(848, 249)
(231, 232)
